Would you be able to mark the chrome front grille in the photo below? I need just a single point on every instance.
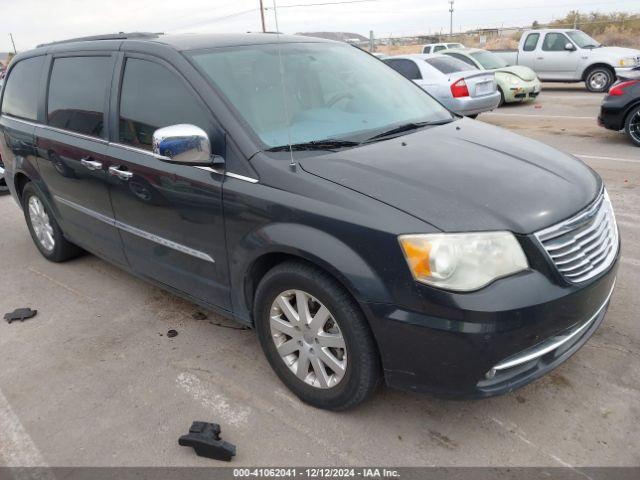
(584, 245)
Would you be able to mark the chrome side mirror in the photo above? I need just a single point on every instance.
(569, 46)
(183, 144)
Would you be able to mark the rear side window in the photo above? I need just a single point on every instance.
(554, 42)
(407, 68)
(154, 97)
(77, 94)
(22, 88)
(531, 42)
(449, 64)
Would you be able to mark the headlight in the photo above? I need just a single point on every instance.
(462, 261)
(513, 80)
(628, 62)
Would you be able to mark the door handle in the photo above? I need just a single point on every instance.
(540, 58)
(90, 164)
(121, 174)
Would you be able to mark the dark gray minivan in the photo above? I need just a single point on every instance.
(304, 188)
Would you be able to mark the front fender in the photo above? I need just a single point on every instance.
(308, 243)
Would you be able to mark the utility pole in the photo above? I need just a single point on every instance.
(451, 23)
(13, 43)
(275, 14)
(262, 17)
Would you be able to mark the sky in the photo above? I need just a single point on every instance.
(39, 21)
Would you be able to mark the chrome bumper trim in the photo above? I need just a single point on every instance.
(550, 344)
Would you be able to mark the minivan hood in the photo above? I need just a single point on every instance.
(525, 73)
(465, 176)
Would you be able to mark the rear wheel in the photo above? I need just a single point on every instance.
(632, 125)
(44, 229)
(599, 79)
(315, 337)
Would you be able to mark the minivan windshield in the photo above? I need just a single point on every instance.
(295, 93)
(582, 39)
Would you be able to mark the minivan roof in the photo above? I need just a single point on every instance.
(190, 41)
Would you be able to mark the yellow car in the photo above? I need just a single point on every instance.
(516, 83)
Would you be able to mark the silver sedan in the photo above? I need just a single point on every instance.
(458, 86)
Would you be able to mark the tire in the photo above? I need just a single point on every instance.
(632, 125)
(599, 79)
(362, 373)
(4, 189)
(502, 100)
(61, 249)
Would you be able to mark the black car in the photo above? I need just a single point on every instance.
(302, 187)
(620, 109)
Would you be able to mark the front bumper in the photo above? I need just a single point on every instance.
(523, 92)
(492, 341)
(622, 71)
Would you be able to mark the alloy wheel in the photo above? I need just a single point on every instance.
(308, 339)
(634, 127)
(41, 224)
(599, 80)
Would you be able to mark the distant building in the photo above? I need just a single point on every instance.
(488, 32)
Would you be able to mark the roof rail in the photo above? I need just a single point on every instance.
(108, 36)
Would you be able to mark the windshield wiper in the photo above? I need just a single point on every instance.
(328, 144)
(407, 127)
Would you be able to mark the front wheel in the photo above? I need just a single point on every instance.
(315, 337)
(599, 79)
(632, 126)
(502, 100)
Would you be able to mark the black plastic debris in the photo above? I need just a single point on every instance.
(205, 439)
(172, 333)
(21, 314)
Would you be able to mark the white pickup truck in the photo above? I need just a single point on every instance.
(561, 55)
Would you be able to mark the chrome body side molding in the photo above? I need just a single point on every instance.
(137, 231)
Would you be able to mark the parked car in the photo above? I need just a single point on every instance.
(566, 55)
(464, 90)
(515, 83)
(437, 47)
(363, 235)
(3, 183)
(620, 109)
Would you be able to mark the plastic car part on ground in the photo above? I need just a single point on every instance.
(205, 439)
(21, 314)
